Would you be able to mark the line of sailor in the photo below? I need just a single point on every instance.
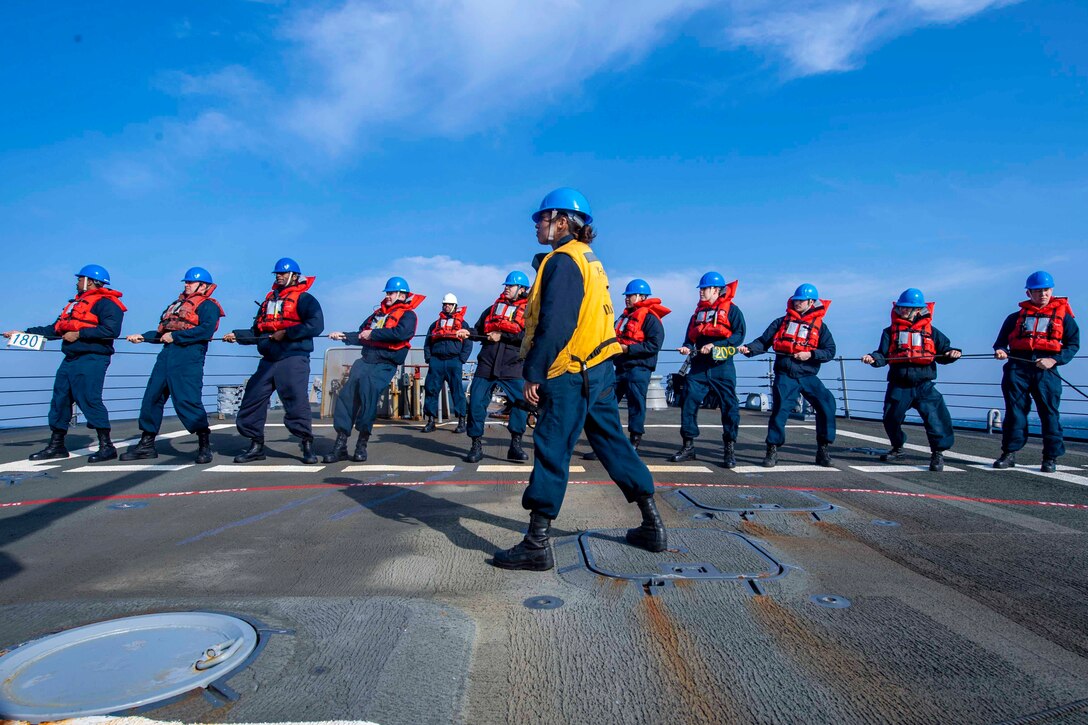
(543, 345)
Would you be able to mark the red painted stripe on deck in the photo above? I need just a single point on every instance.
(383, 484)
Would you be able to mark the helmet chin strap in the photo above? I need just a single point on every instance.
(551, 227)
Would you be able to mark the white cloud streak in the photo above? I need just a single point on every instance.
(363, 70)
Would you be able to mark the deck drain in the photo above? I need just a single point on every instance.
(128, 505)
(111, 666)
(543, 602)
(830, 601)
(884, 522)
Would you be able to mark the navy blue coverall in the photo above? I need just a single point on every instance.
(284, 368)
(179, 374)
(633, 371)
(82, 374)
(446, 359)
(498, 364)
(565, 410)
(1022, 382)
(793, 377)
(357, 403)
(708, 374)
(914, 386)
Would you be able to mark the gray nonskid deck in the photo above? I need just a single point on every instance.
(966, 588)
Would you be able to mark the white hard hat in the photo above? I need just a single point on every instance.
(449, 299)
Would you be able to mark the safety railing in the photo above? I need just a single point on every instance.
(858, 388)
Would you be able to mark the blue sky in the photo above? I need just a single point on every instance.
(861, 146)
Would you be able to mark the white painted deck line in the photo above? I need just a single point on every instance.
(379, 468)
(515, 468)
(912, 447)
(786, 468)
(249, 467)
(718, 425)
(891, 468)
(1067, 477)
(126, 468)
(679, 469)
(30, 466)
(119, 445)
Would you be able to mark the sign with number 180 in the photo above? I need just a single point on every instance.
(26, 341)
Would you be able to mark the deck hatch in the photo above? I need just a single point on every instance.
(112, 666)
(701, 554)
(767, 500)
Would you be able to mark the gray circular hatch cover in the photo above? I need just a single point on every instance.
(111, 666)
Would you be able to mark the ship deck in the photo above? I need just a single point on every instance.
(866, 592)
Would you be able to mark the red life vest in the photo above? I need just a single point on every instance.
(77, 313)
(800, 333)
(912, 342)
(1040, 329)
(386, 317)
(280, 307)
(629, 326)
(711, 319)
(506, 316)
(447, 326)
(182, 312)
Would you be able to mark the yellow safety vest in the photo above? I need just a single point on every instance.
(594, 339)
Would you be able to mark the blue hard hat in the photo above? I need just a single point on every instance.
(197, 274)
(1039, 280)
(95, 272)
(637, 287)
(806, 292)
(565, 199)
(518, 278)
(397, 284)
(911, 297)
(286, 264)
(711, 279)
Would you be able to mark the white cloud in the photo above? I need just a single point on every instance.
(820, 36)
(361, 70)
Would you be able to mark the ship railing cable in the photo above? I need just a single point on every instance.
(856, 396)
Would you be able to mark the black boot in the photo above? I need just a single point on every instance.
(936, 461)
(515, 453)
(430, 426)
(1007, 460)
(339, 450)
(651, 534)
(636, 441)
(770, 458)
(823, 455)
(255, 452)
(142, 450)
(686, 452)
(360, 447)
(106, 451)
(461, 427)
(203, 446)
(1049, 465)
(476, 452)
(533, 552)
(895, 454)
(54, 448)
(590, 456)
(308, 455)
(729, 458)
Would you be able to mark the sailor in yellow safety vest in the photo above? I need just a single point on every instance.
(569, 342)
